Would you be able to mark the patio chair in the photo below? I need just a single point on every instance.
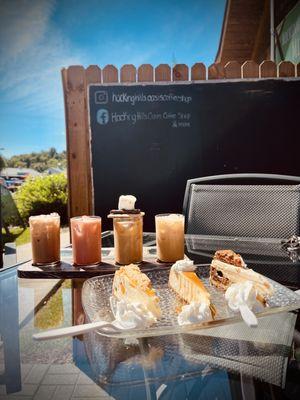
(243, 205)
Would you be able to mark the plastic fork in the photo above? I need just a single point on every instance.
(107, 327)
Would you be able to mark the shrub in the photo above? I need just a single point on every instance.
(43, 195)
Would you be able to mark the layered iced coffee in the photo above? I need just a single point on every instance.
(45, 239)
(128, 231)
(169, 237)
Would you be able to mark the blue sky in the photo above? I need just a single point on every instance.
(39, 37)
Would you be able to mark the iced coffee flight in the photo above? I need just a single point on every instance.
(128, 231)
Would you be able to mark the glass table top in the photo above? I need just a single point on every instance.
(226, 364)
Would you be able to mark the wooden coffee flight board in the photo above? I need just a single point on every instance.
(66, 270)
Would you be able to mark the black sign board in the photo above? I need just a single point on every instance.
(147, 140)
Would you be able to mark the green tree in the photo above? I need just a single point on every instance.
(39, 161)
(2, 163)
(52, 152)
(43, 195)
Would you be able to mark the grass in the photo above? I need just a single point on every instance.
(16, 234)
(51, 315)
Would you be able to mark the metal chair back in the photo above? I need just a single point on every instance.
(243, 205)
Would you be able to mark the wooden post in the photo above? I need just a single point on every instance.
(78, 142)
(128, 73)
(216, 71)
(233, 70)
(180, 72)
(250, 69)
(267, 69)
(198, 72)
(145, 73)
(110, 74)
(93, 74)
(162, 73)
(286, 68)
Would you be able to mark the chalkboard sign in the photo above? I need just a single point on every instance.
(147, 140)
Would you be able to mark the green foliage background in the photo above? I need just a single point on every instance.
(43, 195)
(2, 163)
(39, 161)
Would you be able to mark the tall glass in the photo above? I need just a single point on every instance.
(86, 240)
(169, 237)
(128, 237)
(45, 239)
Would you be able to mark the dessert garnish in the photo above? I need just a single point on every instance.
(126, 206)
(189, 287)
(242, 297)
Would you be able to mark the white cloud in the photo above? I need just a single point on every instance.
(33, 51)
(23, 23)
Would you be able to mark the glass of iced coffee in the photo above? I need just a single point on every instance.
(45, 239)
(86, 240)
(169, 237)
(128, 231)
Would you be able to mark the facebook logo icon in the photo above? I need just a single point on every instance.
(102, 116)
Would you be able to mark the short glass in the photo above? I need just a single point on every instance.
(128, 238)
(169, 237)
(86, 240)
(45, 239)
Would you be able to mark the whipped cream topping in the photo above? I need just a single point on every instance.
(126, 202)
(133, 315)
(240, 294)
(243, 262)
(184, 265)
(194, 313)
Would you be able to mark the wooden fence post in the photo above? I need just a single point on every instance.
(233, 70)
(145, 73)
(267, 69)
(286, 68)
(198, 72)
(93, 74)
(180, 72)
(128, 73)
(78, 142)
(110, 74)
(216, 71)
(250, 69)
(163, 73)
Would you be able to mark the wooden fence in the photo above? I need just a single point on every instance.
(77, 78)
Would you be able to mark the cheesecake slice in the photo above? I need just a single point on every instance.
(134, 287)
(188, 286)
(227, 268)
